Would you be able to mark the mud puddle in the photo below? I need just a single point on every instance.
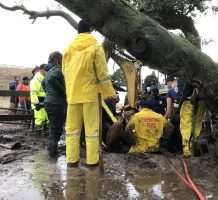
(39, 177)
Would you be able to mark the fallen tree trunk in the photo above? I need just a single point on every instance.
(148, 41)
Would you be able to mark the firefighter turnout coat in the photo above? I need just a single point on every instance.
(148, 130)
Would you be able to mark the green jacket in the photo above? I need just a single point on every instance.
(54, 86)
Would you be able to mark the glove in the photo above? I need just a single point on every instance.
(37, 106)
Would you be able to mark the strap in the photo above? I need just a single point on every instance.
(194, 118)
(109, 112)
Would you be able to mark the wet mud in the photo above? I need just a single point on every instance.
(29, 173)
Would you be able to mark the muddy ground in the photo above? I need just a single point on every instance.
(29, 173)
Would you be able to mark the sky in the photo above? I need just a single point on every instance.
(25, 44)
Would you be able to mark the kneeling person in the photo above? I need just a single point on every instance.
(148, 130)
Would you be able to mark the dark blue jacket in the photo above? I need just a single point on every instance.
(157, 104)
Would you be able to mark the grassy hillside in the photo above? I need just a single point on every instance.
(7, 74)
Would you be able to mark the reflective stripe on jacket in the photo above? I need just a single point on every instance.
(148, 130)
(85, 71)
(36, 91)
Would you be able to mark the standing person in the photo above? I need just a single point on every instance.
(192, 110)
(25, 102)
(14, 101)
(171, 96)
(85, 71)
(37, 95)
(55, 100)
(157, 103)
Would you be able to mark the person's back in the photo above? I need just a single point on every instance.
(148, 127)
(55, 86)
(84, 51)
(85, 72)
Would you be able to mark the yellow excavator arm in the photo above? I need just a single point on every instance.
(132, 73)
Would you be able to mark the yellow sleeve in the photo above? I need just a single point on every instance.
(33, 92)
(102, 73)
(64, 63)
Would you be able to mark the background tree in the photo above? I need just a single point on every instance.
(118, 77)
(151, 80)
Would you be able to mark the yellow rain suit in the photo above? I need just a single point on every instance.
(85, 72)
(148, 130)
(37, 95)
(186, 114)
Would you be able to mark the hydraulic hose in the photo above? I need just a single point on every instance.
(200, 195)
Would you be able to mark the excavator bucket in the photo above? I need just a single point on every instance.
(130, 75)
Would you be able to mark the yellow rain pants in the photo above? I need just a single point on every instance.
(186, 115)
(76, 115)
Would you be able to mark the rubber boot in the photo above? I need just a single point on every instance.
(38, 130)
(53, 148)
(45, 129)
(186, 151)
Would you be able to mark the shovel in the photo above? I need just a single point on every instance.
(16, 145)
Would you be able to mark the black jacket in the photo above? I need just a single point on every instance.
(54, 86)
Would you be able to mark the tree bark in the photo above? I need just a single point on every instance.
(148, 41)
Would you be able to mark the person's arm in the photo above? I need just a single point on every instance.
(43, 85)
(102, 73)
(33, 92)
(12, 85)
(168, 109)
(56, 78)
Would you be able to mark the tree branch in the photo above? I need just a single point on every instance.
(47, 14)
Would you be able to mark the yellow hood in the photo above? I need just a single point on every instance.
(81, 42)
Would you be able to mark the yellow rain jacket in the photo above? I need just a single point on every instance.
(148, 130)
(85, 74)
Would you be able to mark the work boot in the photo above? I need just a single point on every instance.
(186, 151)
(72, 165)
(38, 133)
(91, 165)
(38, 130)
